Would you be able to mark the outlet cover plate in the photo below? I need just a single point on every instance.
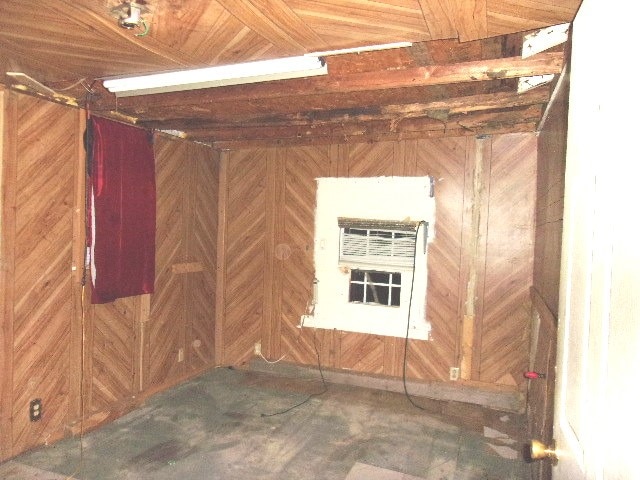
(35, 410)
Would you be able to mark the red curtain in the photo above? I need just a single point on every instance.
(123, 210)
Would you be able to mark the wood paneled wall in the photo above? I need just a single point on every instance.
(485, 191)
(39, 162)
(139, 345)
(110, 359)
(253, 212)
(552, 145)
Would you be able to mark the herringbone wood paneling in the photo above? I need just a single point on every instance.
(369, 160)
(42, 303)
(165, 330)
(502, 334)
(443, 159)
(110, 343)
(126, 349)
(362, 352)
(180, 330)
(303, 166)
(509, 268)
(245, 245)
(200, 291)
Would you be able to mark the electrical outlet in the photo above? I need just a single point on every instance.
(257, 348)
(35, 410)
(181, 355)
(454, 373)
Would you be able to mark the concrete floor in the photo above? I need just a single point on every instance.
(221, 426)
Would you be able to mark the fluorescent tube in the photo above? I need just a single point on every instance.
(236, 74)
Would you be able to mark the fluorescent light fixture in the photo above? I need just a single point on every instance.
(237, 74)
(366, 48)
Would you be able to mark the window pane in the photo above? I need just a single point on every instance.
(380, 294)
(395, 296)
(356, 292)
(357, 275)
(377, 294)
(379, 277)
(396, 278)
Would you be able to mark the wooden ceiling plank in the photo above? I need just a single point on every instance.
(471, 19)
(439, 18)
(204, 29)
(507, 16)
(229, 41)
(352, 23)
(101, 24)
(277, 23)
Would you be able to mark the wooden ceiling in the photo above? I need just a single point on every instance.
(458, 78)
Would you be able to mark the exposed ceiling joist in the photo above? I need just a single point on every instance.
(458, 78)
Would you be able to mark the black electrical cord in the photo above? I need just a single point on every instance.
(310, 396)
(406, 338)
(406, 345)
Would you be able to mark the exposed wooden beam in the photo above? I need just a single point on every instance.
(440, 109)
(476, 102)
(475, 71)
(353, 101)
(473, 123)
(377, 137)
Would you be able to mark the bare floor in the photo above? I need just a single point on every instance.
(228, 424)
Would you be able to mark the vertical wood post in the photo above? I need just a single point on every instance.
(276, 252)
(475, 248)
(141, 346)
(221, 254)
(78, 355)
(8, 172)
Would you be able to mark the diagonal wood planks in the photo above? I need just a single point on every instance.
(275, 305)
(42, 298)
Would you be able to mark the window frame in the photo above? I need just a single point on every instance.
(395, 203)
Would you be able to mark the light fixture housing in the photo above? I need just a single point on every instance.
(209, 77)
(129, 14)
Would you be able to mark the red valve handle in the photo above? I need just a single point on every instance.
(534, 375)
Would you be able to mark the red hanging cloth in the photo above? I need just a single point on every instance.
(123, 213)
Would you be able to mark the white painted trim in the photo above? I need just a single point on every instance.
(383, 198)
